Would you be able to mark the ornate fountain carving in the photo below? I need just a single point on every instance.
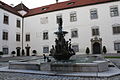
(62, 49)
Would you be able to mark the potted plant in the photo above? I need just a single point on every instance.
(87, 50)
(23, 52)
(13, 53)
(1, 53)
(104, 50)
(34, 52)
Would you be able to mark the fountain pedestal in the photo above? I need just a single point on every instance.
(62, 49)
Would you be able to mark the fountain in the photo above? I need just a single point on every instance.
(61, 61)
(62, 49)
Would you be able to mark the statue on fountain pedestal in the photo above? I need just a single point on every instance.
(62, 49)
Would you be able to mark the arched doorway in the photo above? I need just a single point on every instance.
(18, 51)
(96, 45)
(96, 48)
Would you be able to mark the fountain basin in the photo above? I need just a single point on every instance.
(96, 66)
(24, 66)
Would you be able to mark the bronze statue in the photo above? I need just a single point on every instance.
(62, 49)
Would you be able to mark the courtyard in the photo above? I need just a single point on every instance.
(14, 74)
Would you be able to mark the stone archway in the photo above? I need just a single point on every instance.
(96, 45)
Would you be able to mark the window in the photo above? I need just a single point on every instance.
(95, 32)
(75, 48)
(74, 33)
(17, 37)
(70, 3)
(116, 29)
(6, 19)
(5, 50)
(73, 17)
(93, 14)
(44, 9)
(58, 16)
(44, 20)
(27, 37)
(46, 49)
(114, 11)
(45, 35)
(18, 23)
(5, 35)
(117, 46)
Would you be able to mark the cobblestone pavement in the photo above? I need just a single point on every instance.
(21, 76)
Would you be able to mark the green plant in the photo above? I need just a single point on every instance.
(1, 53)
(104, 50)
(87, 50)
(13, 53)
(34, 52)
(23, 52)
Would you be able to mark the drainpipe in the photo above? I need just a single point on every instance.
(22, 34)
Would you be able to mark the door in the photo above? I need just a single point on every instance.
(96, 48)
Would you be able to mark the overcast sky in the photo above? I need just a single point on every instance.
(32, 3)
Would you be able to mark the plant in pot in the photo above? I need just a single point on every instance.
(34, 52)
(13, 53)
(1, 53)
(104, 50)
(87, 50)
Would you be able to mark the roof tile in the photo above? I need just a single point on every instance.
(63, 5)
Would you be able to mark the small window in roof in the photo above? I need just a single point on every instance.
(70, 3)
(44, 9)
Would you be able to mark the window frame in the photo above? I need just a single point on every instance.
(18, 23)
(73, 16)
(44, 50)
(6, 52)
(116, 29)
(114, 11)
(27, 37)
(76, 49)
(117, 46)
(95, 31)
(45, 33)
(5, 35)
(93, 14)
(6, 19)
(18, 37)
(57, 18)
(74, 31)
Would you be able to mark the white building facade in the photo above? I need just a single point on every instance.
(91, 25)
(10, 30)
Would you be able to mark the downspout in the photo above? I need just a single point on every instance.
(22, 34)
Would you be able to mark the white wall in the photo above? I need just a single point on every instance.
(83, 24)
(12, 30)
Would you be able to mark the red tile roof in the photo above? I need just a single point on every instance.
(64, 5)
(53, 7)
(8, 8)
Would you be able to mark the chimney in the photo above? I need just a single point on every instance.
(56, 1)
(12, 5)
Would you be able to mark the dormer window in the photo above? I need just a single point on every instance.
(70, 3)
(44, 9)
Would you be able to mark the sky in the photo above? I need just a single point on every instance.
(32, 3)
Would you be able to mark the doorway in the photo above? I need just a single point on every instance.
(96, 48)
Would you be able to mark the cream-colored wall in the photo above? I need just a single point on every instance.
(83, 24)
(12, 30)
